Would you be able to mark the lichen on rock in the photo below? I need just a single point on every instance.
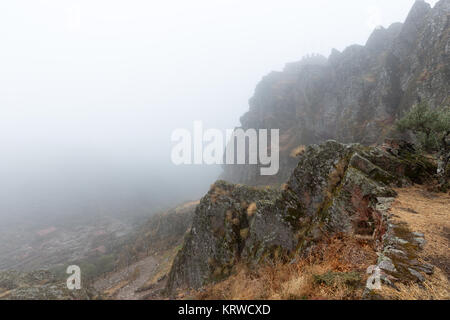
(335, 188)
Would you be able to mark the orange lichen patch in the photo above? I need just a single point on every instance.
(251, 209)
(244, 233)
(335, 177)
(297, 151)
(216, 192)
(229, 215)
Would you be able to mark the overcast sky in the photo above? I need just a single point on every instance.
(105, 79)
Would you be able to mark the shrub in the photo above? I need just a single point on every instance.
(430, 126)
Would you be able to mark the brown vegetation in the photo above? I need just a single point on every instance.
(428, 213)
(334, 270)
(336, 267)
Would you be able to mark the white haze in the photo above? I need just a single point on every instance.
(90, 91)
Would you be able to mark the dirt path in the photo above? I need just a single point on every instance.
(143, 280)
(123, 284)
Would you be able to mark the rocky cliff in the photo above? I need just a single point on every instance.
(335, 189)
(355, 95)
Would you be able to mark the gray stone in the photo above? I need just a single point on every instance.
(401, 241)
(417, 275)
(386, 264)
(420, 241)
(426, 268)
(418, 234)
(372, 85)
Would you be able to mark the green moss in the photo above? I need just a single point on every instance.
(330, 278)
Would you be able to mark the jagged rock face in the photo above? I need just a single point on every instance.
(39, 285)
(335, 188)
(356, 95)
(219, 229)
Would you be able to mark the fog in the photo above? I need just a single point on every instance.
(90, 91)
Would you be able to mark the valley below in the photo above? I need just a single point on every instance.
(359, 209)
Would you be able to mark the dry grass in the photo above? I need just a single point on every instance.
(114, 290)
(296, 152)
(186, 206)
(4, 294)
(435, 287)
(422, 211)
(297, 280)
(428, 213)
(162, 268)
(251, 209)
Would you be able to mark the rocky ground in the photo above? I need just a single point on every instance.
(39, 285)
(140, 259)
(427, 215)
(337, 268)
(27, 247)
(142, 280)
(336, 191)
(145, 261)
(347, 212)
(124, 284)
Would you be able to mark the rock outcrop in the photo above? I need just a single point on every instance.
(220, 226)
(355, 95)
(335, 188)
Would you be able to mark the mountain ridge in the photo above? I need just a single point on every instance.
(355, 95)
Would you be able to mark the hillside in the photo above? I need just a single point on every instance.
(146, 258)
(337, 192)
(334, 222)
(354, 204)
(39, 285)
(337, 270)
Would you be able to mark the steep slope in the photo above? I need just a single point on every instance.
(162, 231)
(145, 260)
(337, 267)
(354, 95)
(335, 189)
